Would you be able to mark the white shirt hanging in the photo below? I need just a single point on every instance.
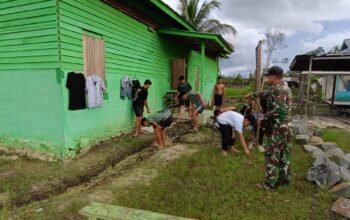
(95, 87)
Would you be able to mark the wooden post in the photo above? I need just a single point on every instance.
(308, 85)
(258, 86)
(302, 92)
(333, 90)
(299, 92)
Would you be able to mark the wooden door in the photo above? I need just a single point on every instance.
(178, 68)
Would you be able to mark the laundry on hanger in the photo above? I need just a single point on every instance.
(76, 86)
(95, 87)
(125, 87)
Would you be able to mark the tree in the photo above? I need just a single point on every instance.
(316, 52)
(251, 77)
(275, 40)
(335, 49)
(198, 15)
(238, 77)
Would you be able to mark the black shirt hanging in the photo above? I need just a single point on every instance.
(76, 86)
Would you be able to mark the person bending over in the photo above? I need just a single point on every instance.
(183, 88)
(159, 120)
(231, 122)
(198, 106)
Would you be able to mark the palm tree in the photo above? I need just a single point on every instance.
(198, 16)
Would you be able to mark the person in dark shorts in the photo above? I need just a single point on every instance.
(230, 123)
(219, 93)
(140, 101)
(183, 88)
(159, 120)
(198, 106)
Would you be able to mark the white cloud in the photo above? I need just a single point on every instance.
(252, 17)
(327, 42)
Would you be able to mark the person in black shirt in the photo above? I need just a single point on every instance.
(140, 101)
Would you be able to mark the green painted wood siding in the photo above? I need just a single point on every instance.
(210, 73)
(130, 49)
(28, 34)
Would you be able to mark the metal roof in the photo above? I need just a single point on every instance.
(215, 44)
(327, 63)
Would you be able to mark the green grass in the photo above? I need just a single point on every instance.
(237, 92)
(339, 136)
(208, 186)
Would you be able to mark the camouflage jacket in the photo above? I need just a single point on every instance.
(278, 105)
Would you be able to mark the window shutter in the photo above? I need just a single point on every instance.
(94, 57)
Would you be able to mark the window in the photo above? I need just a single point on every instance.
(94, 56)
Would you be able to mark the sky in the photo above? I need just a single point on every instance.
(307, 25)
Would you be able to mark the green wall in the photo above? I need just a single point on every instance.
(131, 49)
(31, 113)
(40, 43)
(209, 76)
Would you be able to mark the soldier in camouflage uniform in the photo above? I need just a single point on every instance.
(278, 130)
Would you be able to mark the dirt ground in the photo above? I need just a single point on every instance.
(36, 189)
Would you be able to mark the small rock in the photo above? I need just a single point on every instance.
(304, 117)
(325, 175)
(296, 117)
(302, 139)
(341, 190)
(298, 122)
(314, 140)
(342, 207)
(345, 161)
(320, 158)
(328, 145)
(310, 148)
(344, 174)
(318, 132)
(335, 152)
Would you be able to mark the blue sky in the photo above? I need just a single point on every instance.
(307, 25)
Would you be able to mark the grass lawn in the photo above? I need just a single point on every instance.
(206, 185)
(209, 186)
(237, 92)
(339, 136)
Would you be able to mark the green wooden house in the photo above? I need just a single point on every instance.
(43, 40)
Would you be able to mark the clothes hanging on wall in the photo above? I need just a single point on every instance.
(76, 87)
(135, 86)
(126, 87)
(95, 87)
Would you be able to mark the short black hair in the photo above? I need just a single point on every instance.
(148, 82)
(181, 78)
(143, 120)
(216, 113)
(220, 77)
(250, 118)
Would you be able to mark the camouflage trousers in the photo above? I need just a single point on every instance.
(277, 160)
